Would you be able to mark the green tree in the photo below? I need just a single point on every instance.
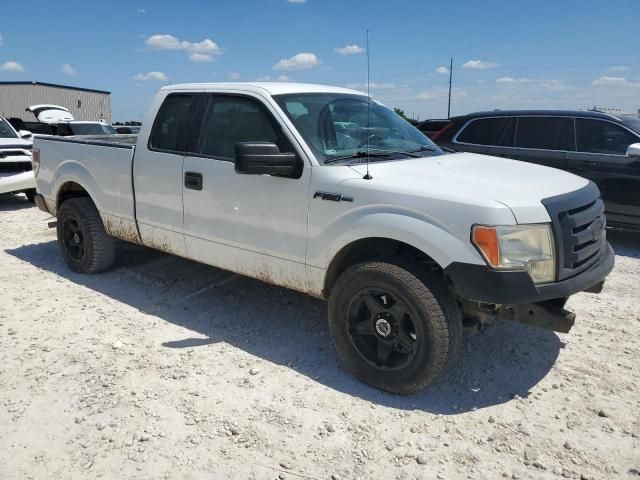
(400, 112)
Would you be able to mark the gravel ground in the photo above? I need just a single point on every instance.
(163, 368)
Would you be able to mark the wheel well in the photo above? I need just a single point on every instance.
(70, 190)
(369, 249)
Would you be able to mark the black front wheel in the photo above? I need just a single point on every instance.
(394, 329)
(85, 245)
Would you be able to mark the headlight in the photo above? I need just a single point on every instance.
(520, 247)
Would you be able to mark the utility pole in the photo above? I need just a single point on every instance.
(450, 77)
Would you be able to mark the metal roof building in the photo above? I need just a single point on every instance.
(83, 103)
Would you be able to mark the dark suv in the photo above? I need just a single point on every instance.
(593, 145)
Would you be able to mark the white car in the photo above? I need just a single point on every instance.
(16, 175)
(62, 123)
(323, 190)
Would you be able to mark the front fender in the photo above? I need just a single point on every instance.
(413, 228)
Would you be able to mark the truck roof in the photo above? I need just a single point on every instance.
(272, 88)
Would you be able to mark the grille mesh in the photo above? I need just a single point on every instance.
(579, 229)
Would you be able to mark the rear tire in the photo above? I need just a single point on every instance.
(394, 327)
(85, 245)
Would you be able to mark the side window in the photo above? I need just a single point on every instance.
(233, 119)
(546, 133)
(498, 131)
(64, 130)
(596, 136)
(171, 120)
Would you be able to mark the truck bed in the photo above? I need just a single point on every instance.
(101, 164)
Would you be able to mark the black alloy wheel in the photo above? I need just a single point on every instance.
(395, 325)
(381, 329)
(73, 239)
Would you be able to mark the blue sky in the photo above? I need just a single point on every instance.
(507, 54)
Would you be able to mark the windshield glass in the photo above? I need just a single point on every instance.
(5, 129)
(631, 122)
(92, 129)
(338, 125)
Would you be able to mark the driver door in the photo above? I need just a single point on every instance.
(255, 225)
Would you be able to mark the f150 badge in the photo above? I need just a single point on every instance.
(334, 197)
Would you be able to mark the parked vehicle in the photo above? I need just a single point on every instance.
(598, 146)
(15, 161)
(50, 114)
(321, 190)
(56, 120)
(432, 126)
(78, 127)
(127, 129)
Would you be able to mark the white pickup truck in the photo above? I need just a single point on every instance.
(15, 161)
(326, 191)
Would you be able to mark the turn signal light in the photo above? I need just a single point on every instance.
(486, 239)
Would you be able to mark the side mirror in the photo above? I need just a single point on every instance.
(25, 134)
(633, 150)
(264, 158)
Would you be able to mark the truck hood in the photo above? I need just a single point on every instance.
(477, 178)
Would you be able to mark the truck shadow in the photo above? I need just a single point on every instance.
(289, 328)
(10, 202)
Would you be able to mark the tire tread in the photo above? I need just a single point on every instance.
(102, 249)
(432, 292)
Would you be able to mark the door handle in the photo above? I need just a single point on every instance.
(193, 180)
(586, 164)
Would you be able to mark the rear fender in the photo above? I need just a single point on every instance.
(74, 171)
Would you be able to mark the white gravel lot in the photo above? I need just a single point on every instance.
(163, 368)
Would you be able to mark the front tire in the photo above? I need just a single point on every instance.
(393, 328)
(85, 245)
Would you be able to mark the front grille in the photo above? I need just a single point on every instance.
(578, 226)
(15, 166)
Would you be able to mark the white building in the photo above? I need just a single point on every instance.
(83, 103)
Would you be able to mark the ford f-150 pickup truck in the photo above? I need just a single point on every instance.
(326, 191)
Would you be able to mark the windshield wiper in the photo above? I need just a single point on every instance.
(424, 148)
(363, 154)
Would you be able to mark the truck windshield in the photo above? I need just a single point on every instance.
(92, 129)
(338, 127)
(5, 129)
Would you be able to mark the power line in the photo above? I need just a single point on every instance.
(503, 68)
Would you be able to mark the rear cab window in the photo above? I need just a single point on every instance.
(171, 124)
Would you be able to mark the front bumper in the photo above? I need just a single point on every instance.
(482, 284)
